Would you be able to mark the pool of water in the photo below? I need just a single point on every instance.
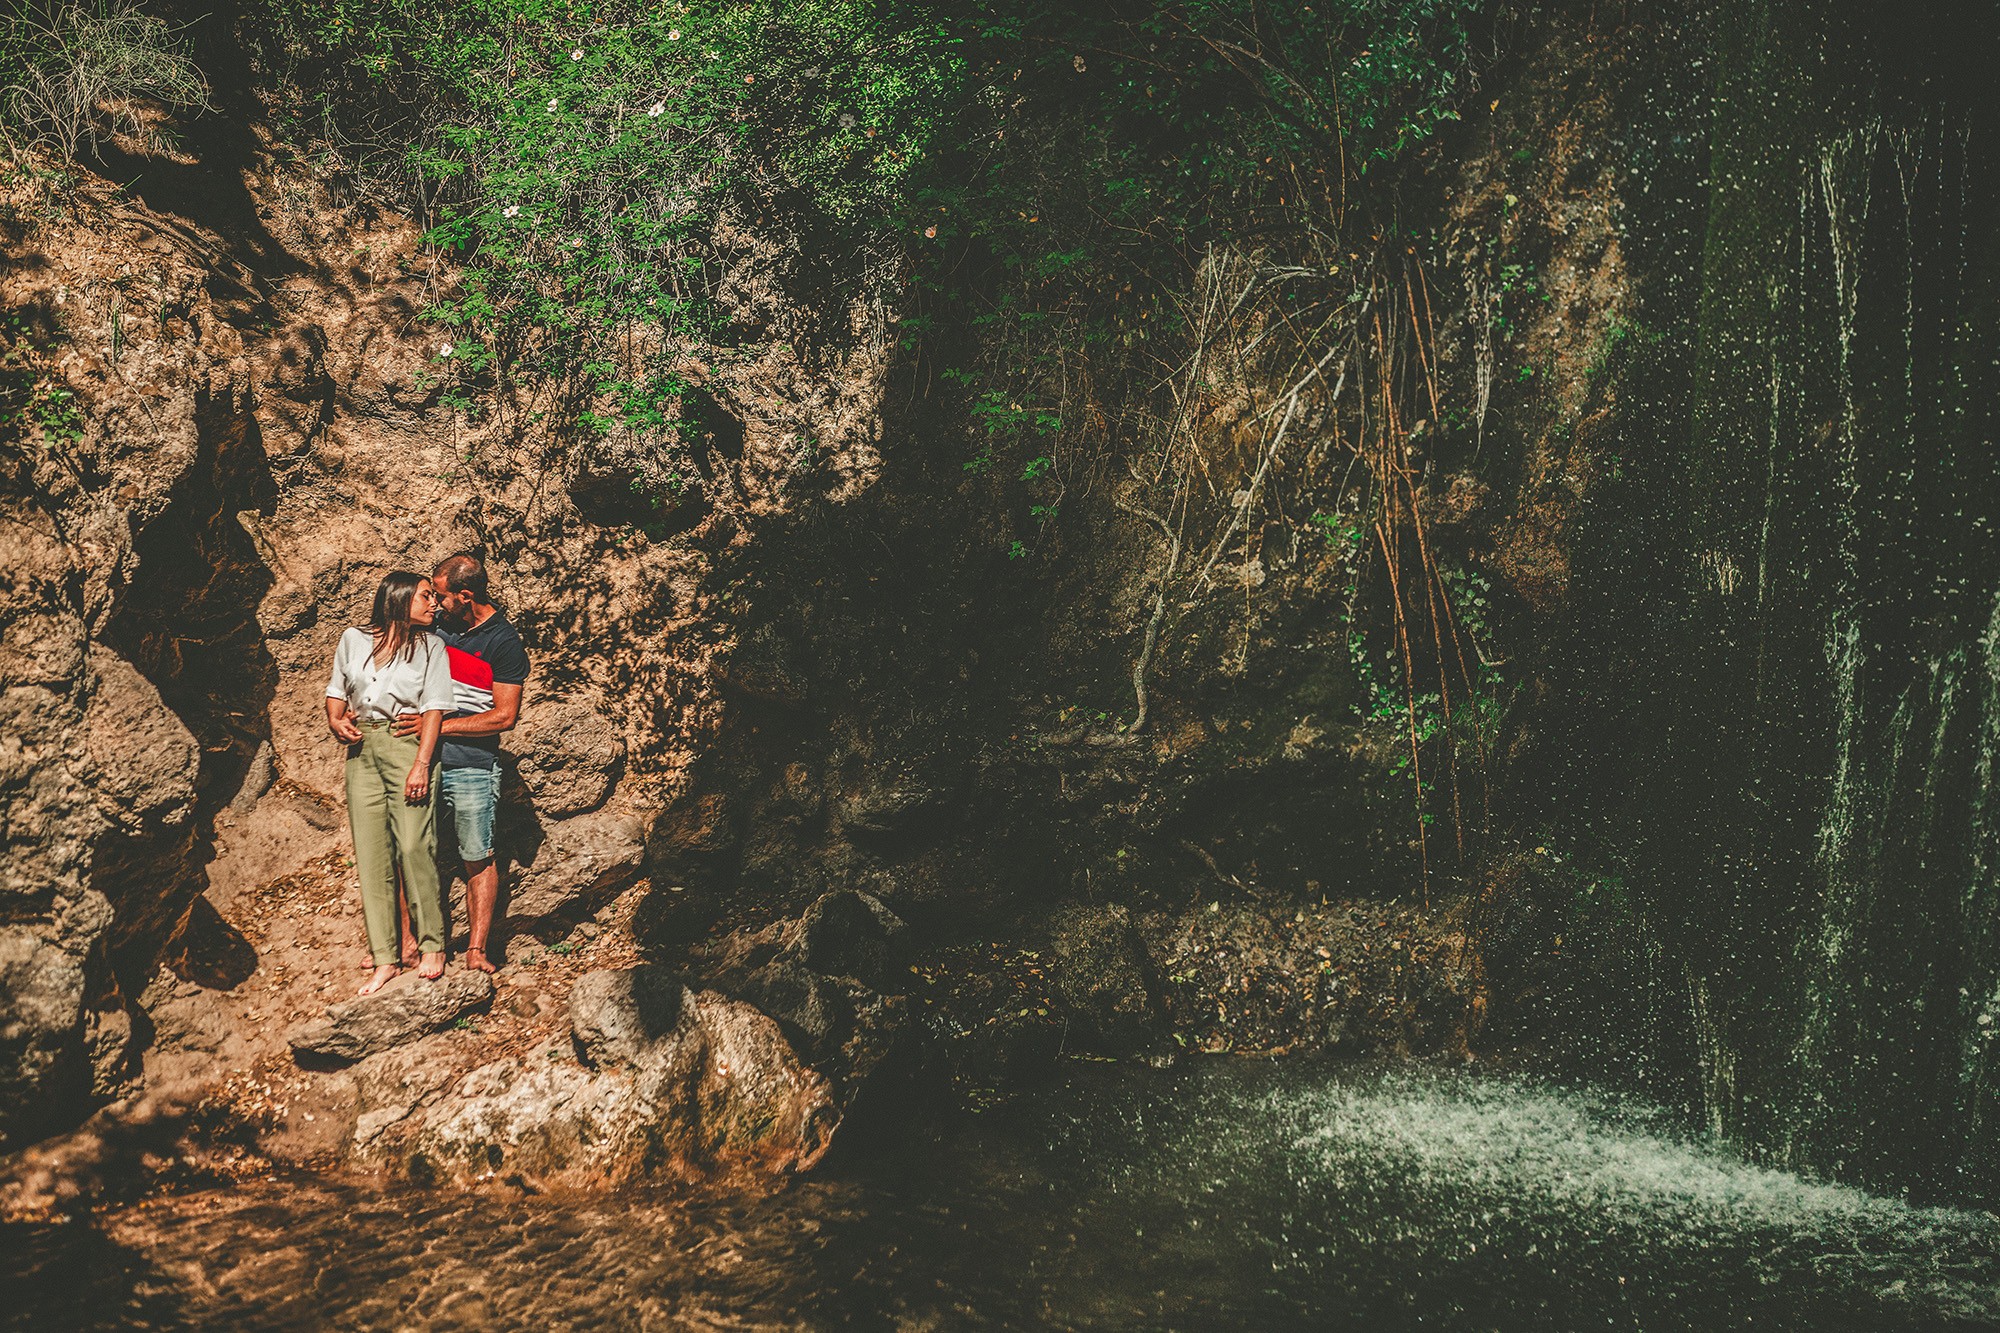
(1220, 1195)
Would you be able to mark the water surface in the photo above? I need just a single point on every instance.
(1221, 1195)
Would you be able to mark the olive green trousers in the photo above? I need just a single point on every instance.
(390, 831)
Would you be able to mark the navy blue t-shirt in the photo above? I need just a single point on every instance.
(489, 653)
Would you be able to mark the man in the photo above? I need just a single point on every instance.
(489, 667)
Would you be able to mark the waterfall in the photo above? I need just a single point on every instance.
(1814, 830)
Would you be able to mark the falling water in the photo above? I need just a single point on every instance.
(1813, 828)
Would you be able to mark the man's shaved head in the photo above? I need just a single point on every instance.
(465, 573)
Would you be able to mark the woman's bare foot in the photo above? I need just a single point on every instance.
(379, 978)
(431, 966)
(475, 961)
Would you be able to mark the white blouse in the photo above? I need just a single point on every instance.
(378, 692)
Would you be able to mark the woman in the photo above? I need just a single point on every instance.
(393, 666)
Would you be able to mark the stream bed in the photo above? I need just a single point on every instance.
(1227, 1195)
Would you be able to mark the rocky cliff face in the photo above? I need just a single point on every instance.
(816, 672)
(230, 429)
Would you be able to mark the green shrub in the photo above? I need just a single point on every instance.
(1052, 165)
(576, 160)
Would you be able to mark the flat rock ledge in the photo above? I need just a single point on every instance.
(404, 1010)
(656, 1080)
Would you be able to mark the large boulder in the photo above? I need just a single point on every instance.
(578, 863)
(394, 1085)
(569, 755)
(659, 1080)
(402, 1011)
(834, 979)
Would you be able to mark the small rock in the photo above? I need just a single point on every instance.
(259, 777)
(402, 1011)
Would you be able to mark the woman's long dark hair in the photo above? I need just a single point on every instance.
(389, 622)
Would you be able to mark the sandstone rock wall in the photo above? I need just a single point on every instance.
(259, 438)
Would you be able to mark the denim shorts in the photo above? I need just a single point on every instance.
(471, 796)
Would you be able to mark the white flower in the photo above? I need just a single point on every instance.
(846, 122)
(444, 349)
(673, 34)
(511, 211)
(657, 108)
(576, 54)
(552, 104)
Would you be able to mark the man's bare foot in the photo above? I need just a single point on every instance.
(475, 961)
(410, 955)
(379, 978)
(431, 967)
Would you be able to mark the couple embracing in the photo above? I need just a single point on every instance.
(419, 698)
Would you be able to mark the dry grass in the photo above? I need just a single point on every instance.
(90, 64)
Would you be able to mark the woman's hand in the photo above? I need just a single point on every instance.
(418, 785)
(343, 728)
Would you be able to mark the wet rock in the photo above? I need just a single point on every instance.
(580, 860)
(671, 1081)
(402, 1011)
(1100, 969)
(848, 933)
(879, 1053)
(570, 755)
